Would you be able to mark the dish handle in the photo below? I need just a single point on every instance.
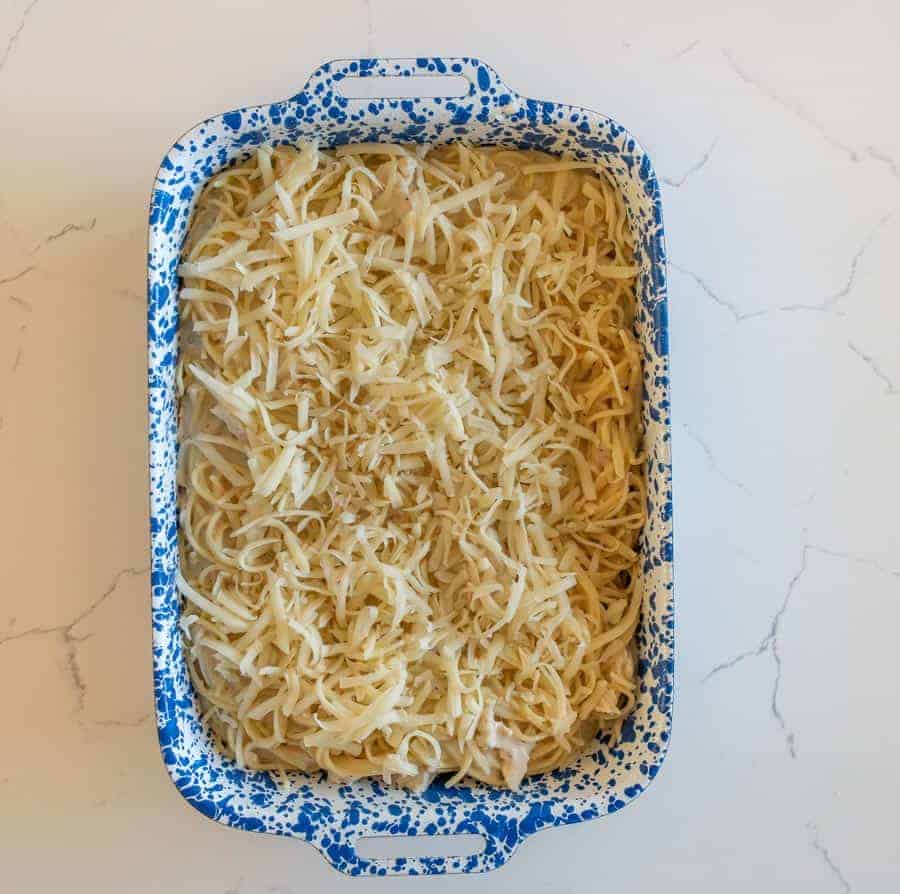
(470, 848)
(459, 76)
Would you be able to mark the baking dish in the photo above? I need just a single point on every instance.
(330, 816)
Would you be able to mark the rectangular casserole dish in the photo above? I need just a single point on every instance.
(331, 816)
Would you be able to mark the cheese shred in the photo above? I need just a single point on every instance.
(411, 478)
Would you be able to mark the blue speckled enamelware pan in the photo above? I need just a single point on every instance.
(332, 817)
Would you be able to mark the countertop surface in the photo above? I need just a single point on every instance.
(774, 129)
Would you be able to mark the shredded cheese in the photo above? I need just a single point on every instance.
(410, 483)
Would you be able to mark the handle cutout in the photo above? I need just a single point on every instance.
(400, 87)
(391, 847)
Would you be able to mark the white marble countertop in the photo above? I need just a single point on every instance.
(775, 129)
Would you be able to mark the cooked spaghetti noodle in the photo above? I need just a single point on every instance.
(410, 481)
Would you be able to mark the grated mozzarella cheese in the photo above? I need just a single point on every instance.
(410, 483)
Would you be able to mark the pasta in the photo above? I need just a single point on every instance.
(411, 477)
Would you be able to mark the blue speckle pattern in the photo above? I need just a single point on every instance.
(328, 815)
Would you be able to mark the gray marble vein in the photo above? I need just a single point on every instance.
(889, 387)
(794, 108)
(14, 37)
(69, 640)
(828, 303)
(698, 165)
(20, 302)
(771, 643)
(128, 724)
(17, 276)
(877, 155)
(64, 231)
(685, 50)
(827, 859)
(711, 460)
(732, 308)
